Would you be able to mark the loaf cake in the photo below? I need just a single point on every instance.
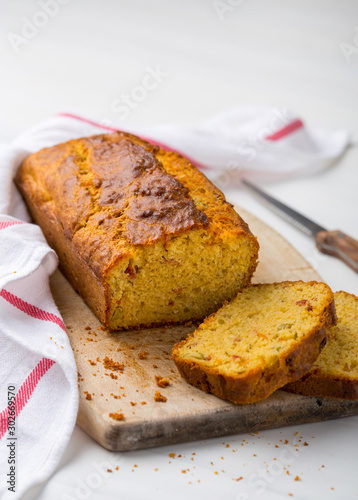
(335, 372)
(268, 335)
(141, 234)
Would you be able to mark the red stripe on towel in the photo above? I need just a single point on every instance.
(25, 392)
(3, 225)
(33, 311)
(287, 130)
(90, 122)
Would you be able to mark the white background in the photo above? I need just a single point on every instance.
(257, 52)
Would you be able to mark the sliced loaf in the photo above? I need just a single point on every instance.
(267, 336)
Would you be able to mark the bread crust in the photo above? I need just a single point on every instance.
(98, 199)
(315, 383)
(77, 271)
(258, 384)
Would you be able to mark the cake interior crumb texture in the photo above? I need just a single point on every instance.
(141, 233)
(267, 335)
(187, 278)
(340, 356)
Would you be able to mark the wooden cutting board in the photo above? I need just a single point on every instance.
(188, 414)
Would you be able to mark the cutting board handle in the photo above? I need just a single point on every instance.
(340, 245)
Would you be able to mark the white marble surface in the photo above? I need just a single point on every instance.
(262, 52)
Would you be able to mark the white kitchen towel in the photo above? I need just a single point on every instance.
(37, 367)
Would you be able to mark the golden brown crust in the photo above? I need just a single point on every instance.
(314, 384)
(99, 198)
(258, 384)
(80, 275)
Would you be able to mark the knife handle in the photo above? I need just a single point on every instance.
(339, 245)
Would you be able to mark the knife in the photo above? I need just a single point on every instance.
(334, 243)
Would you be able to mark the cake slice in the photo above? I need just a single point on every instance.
(140, 232)
(335, 372)
(267, 336)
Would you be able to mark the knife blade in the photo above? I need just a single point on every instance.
(335, 243)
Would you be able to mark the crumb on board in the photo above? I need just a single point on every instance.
(113, 376)
(109, 364)
(155, 366)
(109, 470)
(132, 403)
(159, 398)
(172, 455)
(117, 416)
(161, 381)
(143, 355)
(143, 403)
(87, 327)
(92, 363)
(297, 478)
(89, 397)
